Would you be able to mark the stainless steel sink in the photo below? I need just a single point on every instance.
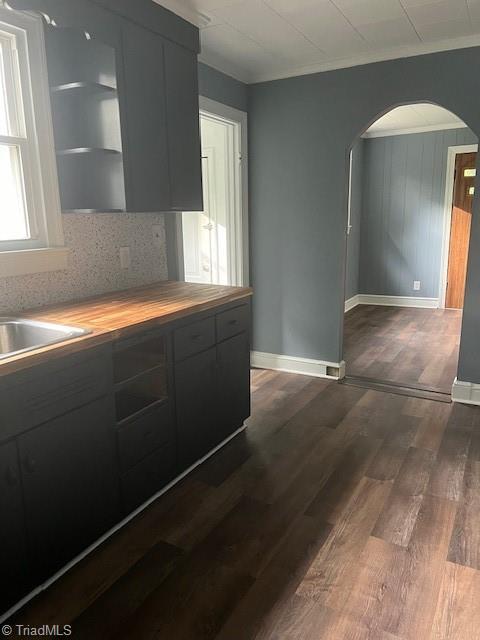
(18, 335)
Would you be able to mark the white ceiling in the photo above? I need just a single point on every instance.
(256, 40)
(413, 118)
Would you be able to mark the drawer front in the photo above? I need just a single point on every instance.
(144, 435)
(232, 322)
(148, 477)
(43, 398)
(194, 338)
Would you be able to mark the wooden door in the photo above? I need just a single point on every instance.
(460, 229)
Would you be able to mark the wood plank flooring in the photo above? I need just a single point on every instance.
(340, 514)
(403, 345)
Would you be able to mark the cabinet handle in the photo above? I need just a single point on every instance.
(30, 464)
(233, 322)
(197, 336)
(11, 477)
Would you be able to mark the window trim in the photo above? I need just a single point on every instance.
(47, 252)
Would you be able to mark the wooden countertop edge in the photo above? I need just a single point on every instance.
(99, 336)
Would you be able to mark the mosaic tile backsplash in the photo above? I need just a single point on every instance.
(94, 263)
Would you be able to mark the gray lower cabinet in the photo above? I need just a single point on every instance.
(70, 484)
(212, 384)
(15, 577)
(195, 384)
(233, 360)
(88, 438)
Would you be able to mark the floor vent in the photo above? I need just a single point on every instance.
(387, 386)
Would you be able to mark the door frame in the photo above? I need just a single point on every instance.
(219, 111)
(447, 216)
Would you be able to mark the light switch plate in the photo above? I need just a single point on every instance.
(125, 257)
(416, 285)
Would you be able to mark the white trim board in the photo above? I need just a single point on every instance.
(423, 129)
(391, 301)
(447, 214)
(114, 529)
(303, 366)
(466, 392)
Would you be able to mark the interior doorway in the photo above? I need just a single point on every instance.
(411, 186)
(461, 185)
(214, 242)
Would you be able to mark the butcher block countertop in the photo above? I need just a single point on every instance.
(122, 313)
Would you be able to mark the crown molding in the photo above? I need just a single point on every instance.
(407, 130)
(186, 11)
(224, 67)
(380, 56)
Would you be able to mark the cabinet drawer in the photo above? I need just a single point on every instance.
(143, 435)
(194, 338)
(42, 398)
(148, 477)
(233, 321)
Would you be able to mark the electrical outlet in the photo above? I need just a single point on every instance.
(125, 257)
(157, 231)
(416, 285)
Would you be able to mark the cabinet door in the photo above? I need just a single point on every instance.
(233, 384)
(183, 128)
(14, 576)
(70, 483)
(147, 155)
(195, 382)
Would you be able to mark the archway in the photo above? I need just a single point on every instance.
(407, 247)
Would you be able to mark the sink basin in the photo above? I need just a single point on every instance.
(18, 335)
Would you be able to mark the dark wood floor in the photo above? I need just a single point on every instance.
(341, 514)
(404, 345)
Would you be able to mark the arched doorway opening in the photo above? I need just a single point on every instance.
(411, 187)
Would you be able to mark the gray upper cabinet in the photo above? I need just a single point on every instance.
(131, 142)
(147, 150)
(181, 73)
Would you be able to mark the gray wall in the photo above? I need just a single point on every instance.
(301, 130)
(403, 211)
(352, 277)
(218, 86)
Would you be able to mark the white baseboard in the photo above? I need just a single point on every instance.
(466, 392)
(304, 366)
(392, 301)
(352, 302)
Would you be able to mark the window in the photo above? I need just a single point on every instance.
(30, 223)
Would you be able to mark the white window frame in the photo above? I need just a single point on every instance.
(45, 250)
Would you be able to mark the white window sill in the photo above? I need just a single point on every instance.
(17, 263)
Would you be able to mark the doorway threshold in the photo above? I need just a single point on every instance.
(388, 386)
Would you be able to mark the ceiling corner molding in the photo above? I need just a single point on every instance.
(423, 129)
(224, 67)
(451, 44)
(185, 10)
